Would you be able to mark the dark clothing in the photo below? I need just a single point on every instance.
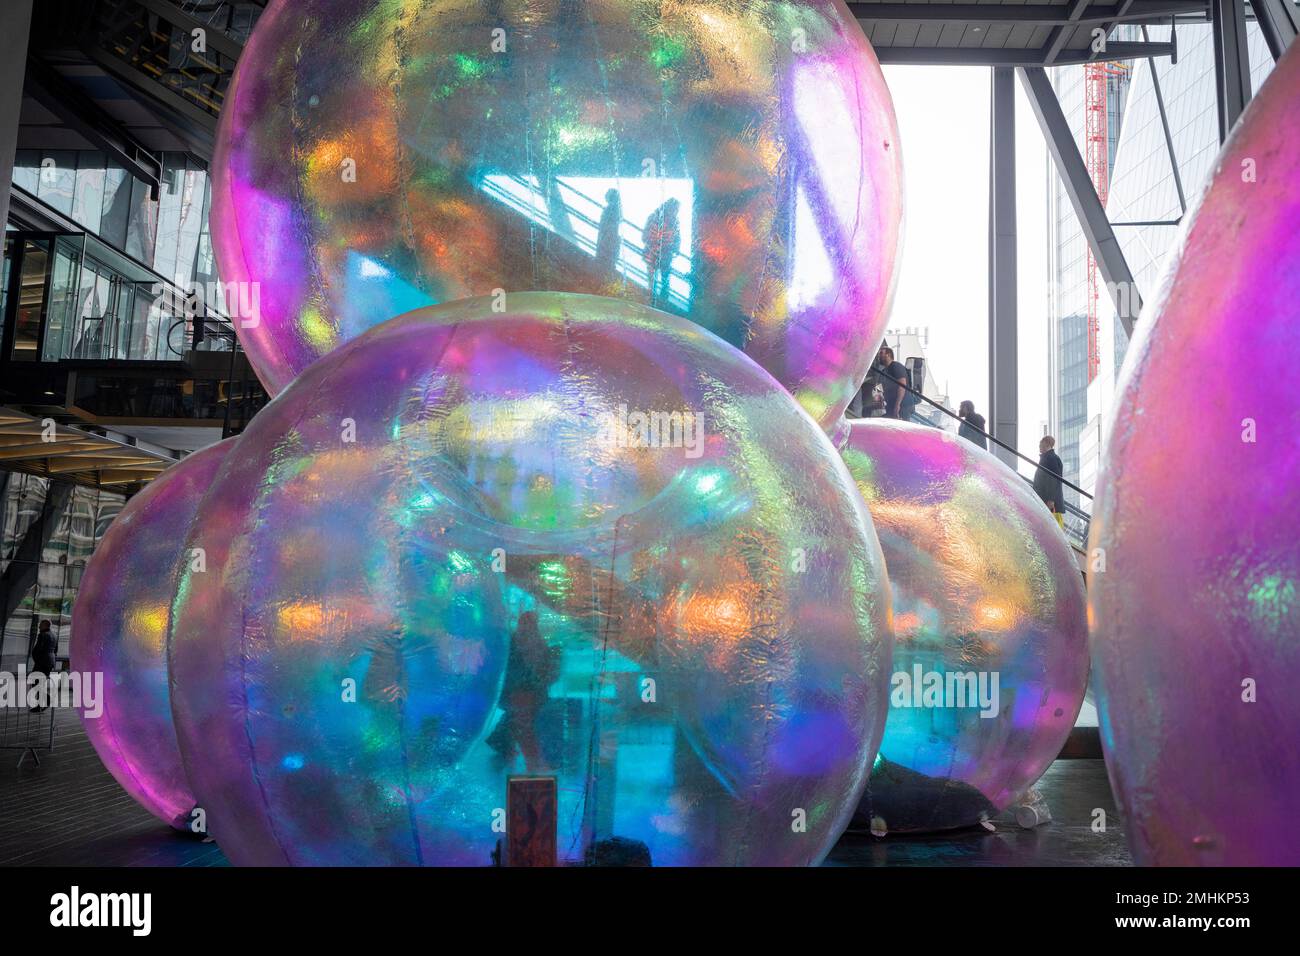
(971, 428)
(891, 376)
(661, 239)
(1047, 480)
(607, 238)
(43, 653)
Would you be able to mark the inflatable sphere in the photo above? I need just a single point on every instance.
(1196, 618)
(990, 659)
(572, 539)
(119, 628)
(733, 163)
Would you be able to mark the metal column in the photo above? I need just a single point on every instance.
(1083, 195)
(1003, 398)
(13, 67)
(1279, 22)
(1231, 61)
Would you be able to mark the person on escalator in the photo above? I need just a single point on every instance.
(972, 425)
(894, 378)
(1047, 479)
(607, 237)
(661, 240)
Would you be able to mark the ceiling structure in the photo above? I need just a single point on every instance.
(42, 447)
(1015, 33)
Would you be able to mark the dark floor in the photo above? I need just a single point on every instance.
(70, 812)
(1073, 790)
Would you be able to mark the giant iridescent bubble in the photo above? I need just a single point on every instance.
(735, 163)
(990, 660)
(119, 629)
(576, 538)
(1196, 618)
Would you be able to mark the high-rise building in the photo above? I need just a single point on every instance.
(1146, 185)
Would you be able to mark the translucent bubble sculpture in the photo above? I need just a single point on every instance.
(734, 163)
(1196, 619)
(990, 660)
(119, 629)
(573, 539)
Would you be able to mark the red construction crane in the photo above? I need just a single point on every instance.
(1096, 84)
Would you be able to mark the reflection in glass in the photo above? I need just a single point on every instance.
(31, 300)
(626, 230)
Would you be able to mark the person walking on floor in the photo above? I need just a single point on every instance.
(43, 653)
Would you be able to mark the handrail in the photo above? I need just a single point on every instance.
(1001, 444)
(629, 267)
(1070, 509)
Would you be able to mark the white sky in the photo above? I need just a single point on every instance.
(943, 119)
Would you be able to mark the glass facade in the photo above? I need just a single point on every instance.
(105, 300)
(97, 310)
(49, 532)
(1142, 188)
(169, 235)
(1068, 272)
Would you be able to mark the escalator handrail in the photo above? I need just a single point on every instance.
(1001, 444)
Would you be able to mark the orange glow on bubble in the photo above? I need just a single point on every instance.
(147, 623)
(906, 624)
(301, 620)
(995, 616)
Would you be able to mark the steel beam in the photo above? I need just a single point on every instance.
(1035, 14)
(213, 37)
(1231, 61)
(998, 56)
(80, 113)
(1003, 369)
(13, 57)
(1164, 123)
(1278, 22)
(1057, 38)
(1083, 196)
(1103, 54)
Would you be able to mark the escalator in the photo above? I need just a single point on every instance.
(176, 57)
(1077, 522)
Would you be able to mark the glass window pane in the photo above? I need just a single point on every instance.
(141, 224)
(88, 332)
(60, 322)
(116, 206)
(88, 195)
(170, 213)
(31, 301)
(58, 179)
(27, 163)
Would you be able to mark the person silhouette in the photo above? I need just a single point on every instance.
(661, 241)
(607, 238)
(531, 667)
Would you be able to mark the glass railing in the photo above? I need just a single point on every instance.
(234, 18)
(71, 297)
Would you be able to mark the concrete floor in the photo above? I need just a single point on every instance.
(70, 812)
